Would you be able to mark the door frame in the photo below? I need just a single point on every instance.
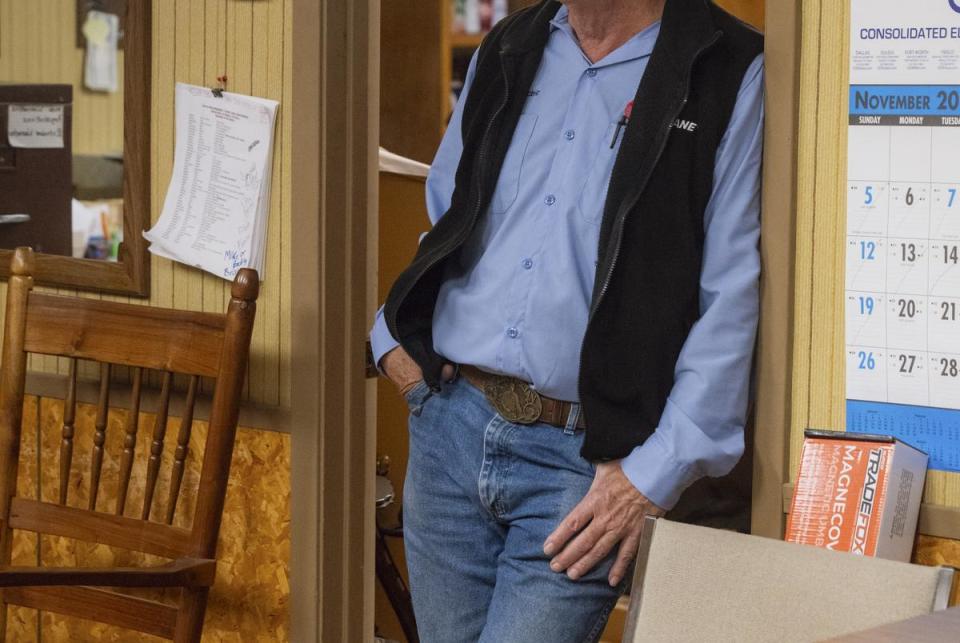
(777, 247)
(335, 106)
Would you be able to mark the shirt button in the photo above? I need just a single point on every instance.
(569, 135)
(527, 263)
(591, 73)
(513, 333)
(550, 200)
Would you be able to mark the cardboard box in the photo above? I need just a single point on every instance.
(857, 493)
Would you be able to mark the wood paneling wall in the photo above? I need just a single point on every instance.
(195, 41)
(38, 45)
(818, 395)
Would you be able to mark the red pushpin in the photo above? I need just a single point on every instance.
(624, 119)
(221, 86)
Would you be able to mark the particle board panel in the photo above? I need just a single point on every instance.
(21, 622)
(249, 601)
(940, 551)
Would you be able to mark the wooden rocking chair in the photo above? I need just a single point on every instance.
(139, 337)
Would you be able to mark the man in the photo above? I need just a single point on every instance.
(576, 331)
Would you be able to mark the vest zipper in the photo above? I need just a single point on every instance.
(622, 220)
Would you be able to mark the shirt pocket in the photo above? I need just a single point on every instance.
(508, 183)
(593, 194)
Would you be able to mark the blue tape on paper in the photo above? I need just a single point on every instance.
(932, 430)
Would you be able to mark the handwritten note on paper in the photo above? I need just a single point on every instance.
(215, 213)
(35, 126)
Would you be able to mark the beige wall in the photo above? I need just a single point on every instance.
(195, 41)
(38, 45)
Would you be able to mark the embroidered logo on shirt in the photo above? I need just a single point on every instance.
(690, 126)
(533, 92)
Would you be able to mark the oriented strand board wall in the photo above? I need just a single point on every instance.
(818, 369)
(38, 45)
(195, 41)
(249, 601)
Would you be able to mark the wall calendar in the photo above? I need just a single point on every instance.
(902, 295)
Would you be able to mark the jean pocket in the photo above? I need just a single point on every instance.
(417, 397)
(508, 183)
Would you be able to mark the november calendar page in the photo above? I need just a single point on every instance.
(902, 293)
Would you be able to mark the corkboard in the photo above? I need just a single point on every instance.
(249, 601)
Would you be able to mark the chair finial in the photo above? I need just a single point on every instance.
(246, 285)
(22, 262)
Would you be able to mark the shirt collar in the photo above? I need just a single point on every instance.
(639, 46)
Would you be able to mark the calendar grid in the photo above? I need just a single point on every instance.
(902, 281)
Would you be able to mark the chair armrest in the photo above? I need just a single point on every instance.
(183, 572)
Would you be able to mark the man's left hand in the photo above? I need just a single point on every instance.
(612, 512)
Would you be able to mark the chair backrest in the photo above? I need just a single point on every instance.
(141, 338)
(699, 584)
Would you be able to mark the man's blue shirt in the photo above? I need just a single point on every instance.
(518, 298)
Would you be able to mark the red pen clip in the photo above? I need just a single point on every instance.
(624, 119)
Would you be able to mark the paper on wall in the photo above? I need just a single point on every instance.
(102, 33)
(215, 213)
(35, 126)
(902, 296)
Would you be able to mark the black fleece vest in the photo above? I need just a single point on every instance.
(646, 293)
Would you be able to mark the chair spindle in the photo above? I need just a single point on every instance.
(100, 434)
(129, 441)
(156, 447)
(183, 443)
(69, 421)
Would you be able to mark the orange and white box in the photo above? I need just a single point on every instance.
(857, 493)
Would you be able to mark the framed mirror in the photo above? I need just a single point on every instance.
(75, 105)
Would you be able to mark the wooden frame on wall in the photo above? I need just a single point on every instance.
(775, 344)
(130, 274)
(334, 208)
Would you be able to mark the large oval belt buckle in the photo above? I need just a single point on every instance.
(513, 399)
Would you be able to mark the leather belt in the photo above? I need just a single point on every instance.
(517, 402)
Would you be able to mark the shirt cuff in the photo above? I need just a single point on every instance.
(381, 341)
(653, 470)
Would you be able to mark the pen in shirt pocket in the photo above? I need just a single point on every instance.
(624, 119)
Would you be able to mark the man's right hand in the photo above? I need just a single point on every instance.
(400, 369)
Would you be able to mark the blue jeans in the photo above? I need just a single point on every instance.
(480, 497)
